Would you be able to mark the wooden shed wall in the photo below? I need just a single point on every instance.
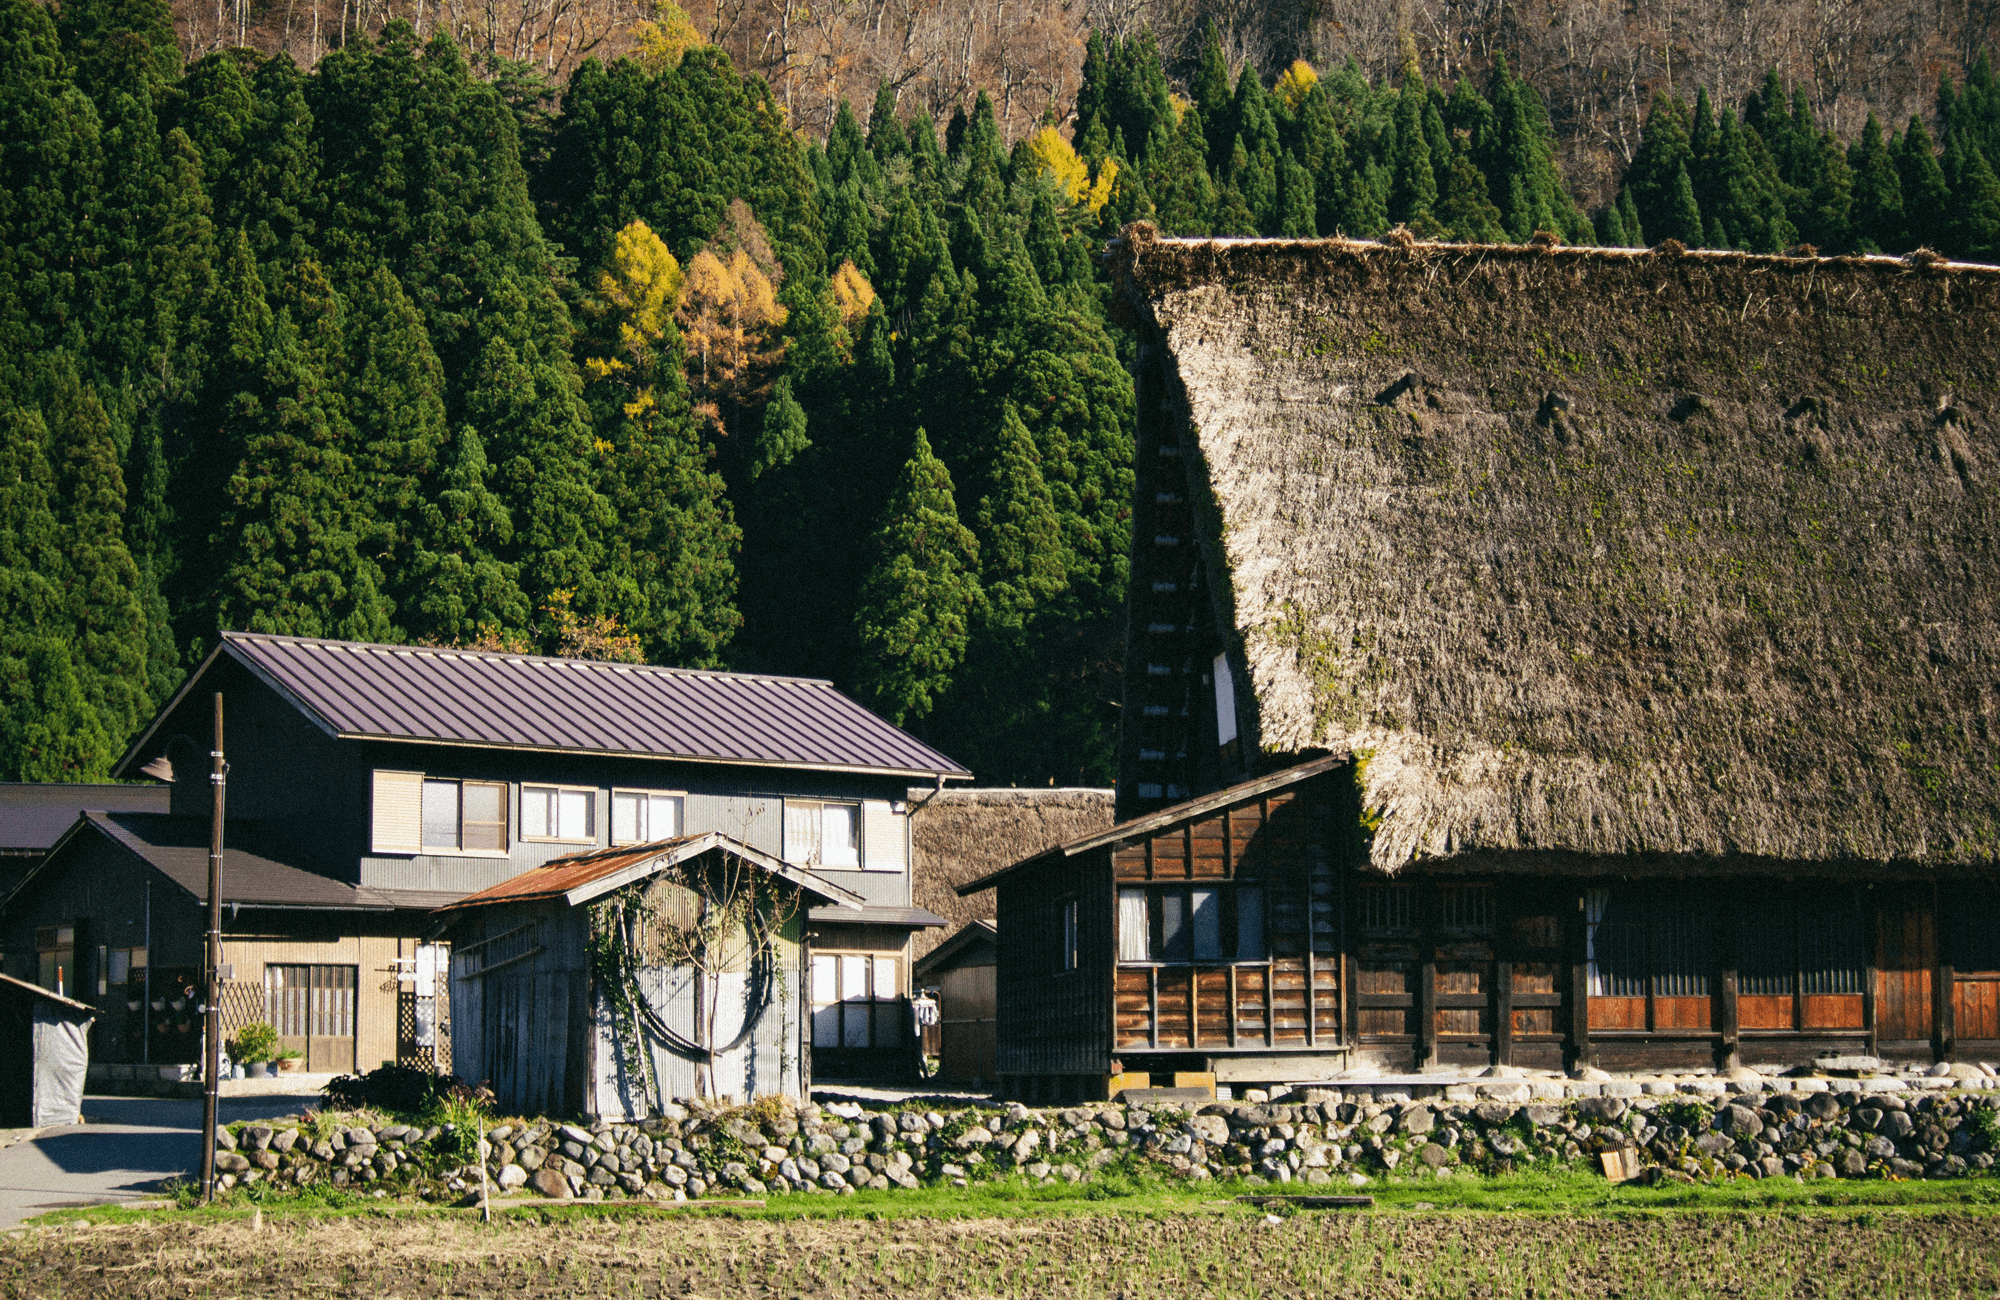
(519, 996)
(1050, 1020)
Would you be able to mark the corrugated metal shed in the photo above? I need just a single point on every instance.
(508, 701)
(34, 816)
(583, 876)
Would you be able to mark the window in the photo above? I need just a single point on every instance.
(1225, 703)
(1974, 930)
(558, 813)
(418, 814)
(465, 816)
(642, 816)
(1068, 934)
(1795, 943)
(857, 1000)
(1195, 924)
(120, 966)
(1388, 909)
(1636, 936)
(823, 834)
(55, 956)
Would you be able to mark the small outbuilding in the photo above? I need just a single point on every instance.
(44, 1055)
(608, 983)
(961, 969)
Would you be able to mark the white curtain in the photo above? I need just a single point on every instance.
(1594, 903)
(1132, 925)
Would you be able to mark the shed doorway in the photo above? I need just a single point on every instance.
(312, 1008)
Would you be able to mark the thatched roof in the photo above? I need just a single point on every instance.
(961, 835)
(1604, 552)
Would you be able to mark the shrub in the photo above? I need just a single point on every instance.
(256, 1041)
(403, 1089)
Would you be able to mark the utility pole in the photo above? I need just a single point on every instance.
(217, 780)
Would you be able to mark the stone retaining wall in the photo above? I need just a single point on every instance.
(1804, 1128)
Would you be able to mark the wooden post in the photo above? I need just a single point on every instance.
(1427, 1041)
(1728, 1025)
(1503, 979)
(1153, 1005)
(1874, 973)
(212, 1062)
(1944, 1009)
(1579, 991)
(1232, 1005)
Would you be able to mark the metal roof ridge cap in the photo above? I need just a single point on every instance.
(458, 652)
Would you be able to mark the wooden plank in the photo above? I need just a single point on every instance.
(1153, 1005)
(1834, 1011)
(1232, 1006)
(1427, 990)
(1617, 1013)
(1579, 994)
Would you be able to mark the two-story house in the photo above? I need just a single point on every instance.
(369, 785)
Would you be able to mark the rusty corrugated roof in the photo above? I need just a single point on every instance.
(510, 701)
(582, 876)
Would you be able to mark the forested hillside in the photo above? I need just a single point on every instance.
(419, 347)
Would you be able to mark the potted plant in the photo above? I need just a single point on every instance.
(290, 1060)
(256, 1045)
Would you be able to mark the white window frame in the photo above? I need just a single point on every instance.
(521, 810)
(801, 856)
(611, 825)
(874, 1012)
(440, 851)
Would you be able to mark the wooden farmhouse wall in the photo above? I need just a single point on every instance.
(1229, 930)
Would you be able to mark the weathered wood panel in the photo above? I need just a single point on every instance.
(1977, 1004)
(1762, 1011)
(1617, 1013)
(1835, 1011)
(1049, 1019)
(1908, 944)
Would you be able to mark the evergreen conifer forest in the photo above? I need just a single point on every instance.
(419, 347)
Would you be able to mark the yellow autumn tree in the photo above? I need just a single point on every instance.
(1295, 83)
(665, 38)
(1055, 159)
(730, 316)
(637, 296)
(852, 294)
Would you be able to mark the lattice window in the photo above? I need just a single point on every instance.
(1466, 909)
(1388, 909)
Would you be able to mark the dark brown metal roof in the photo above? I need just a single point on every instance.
(916, 918)
(509, 701)
(34, 816)
(259, 869)
(580, 877)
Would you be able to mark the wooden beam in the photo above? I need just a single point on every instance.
(1727, 986)
(1872, 906)
(1153, 1006)
(1194, 1007)
(1232, 1005)
(1426, 976)
(1944, 1009)
(1579, 990)
(1309, 968)
(1503, 979)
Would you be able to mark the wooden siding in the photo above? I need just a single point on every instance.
(1290, 999)
(1048, 1020)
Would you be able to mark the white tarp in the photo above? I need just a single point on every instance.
(62, 1058)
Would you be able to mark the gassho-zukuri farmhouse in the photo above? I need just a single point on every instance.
(1538, 656)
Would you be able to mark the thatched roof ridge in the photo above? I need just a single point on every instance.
(960, 835)
(1597, 551)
